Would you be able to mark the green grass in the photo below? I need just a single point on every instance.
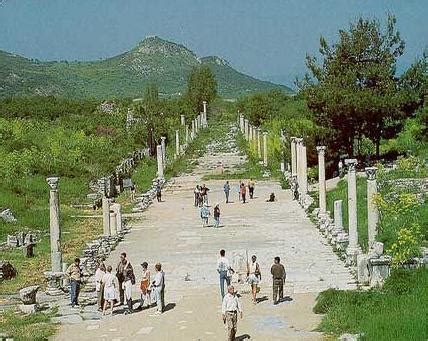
(396, 312)
(341, 193)
(30, 204)
(31, 327)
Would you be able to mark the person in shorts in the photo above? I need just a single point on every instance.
(253, 276)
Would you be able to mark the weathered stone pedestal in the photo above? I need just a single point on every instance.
(54, 283)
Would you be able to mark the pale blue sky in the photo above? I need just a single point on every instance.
(267, 39)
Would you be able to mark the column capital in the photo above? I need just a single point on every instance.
(321, 150)
(293, 139)
(351, 163)
(298, 140)
(371, 173)
(265, 133)
(204, 102)
(176, 131)
(163, 138)
(53, 182)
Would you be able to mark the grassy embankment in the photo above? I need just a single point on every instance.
(396, 312)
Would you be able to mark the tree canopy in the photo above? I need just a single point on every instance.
(201, 86)
(355, 91)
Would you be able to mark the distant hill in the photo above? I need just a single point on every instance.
(125, 75)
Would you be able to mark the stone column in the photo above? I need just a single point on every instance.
(246, 128)
(187, 134)
(159, 159)
(177, 143)
(298, 142)
(183, 120)
(293, 157)
(259, 146)
(163, 145)
(321, 179)
(106, 216)
(352, 209)
(265, 149)
(117, 208)
(197, 124)
(372, 211)
(338, 214)
(204, 103)
(241, 123)
(304, 175)
(113, 224)
(193, 134)
(55, 231)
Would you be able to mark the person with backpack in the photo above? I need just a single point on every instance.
(126, 279)
(254, 276)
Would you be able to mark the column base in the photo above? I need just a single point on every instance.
(351, 255)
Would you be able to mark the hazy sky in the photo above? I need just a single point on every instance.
(267, 39)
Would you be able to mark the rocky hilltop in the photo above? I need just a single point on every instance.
(126, 75)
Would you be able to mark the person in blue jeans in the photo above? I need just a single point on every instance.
(74, 273)
(226, 189)
(224, 270)
(217, 215)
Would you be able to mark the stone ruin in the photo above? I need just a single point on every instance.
(7, 215)
(25, 240)
(7, 271)
(28, 297)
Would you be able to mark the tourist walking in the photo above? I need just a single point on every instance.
(99, 286)
(128, 282)
(226, 189)
(224, 270)
(74, 273)
(251, 185)
(239, 191)
(278, 276)
(230, 308)
(121, 271)
(216, 215)
(196, 192)
(111, 287)
(158, 191)
(204, 212)
(145, 285)
(159, 289)
(243, 191)
(253, 276)
(204, 193)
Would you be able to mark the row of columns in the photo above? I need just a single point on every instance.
(253, 135)
(299, 173)
(190, 133)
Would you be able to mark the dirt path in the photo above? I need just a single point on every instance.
(171, 233)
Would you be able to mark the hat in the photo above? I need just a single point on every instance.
(216, 204)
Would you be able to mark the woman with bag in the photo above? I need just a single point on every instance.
(145, 286)
(111, 286)
(254, 276)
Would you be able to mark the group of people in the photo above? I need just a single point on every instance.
(242, 190)
(231, 305)
(114, 289)
(204, 212)
(201, 195)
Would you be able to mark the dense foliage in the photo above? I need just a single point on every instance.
(201, 86)
(355, 93)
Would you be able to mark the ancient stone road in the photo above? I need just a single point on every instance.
(171, 233)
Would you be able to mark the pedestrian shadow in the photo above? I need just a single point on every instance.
(261, 299)
(285, 299)
(169, 307)
(242, 337)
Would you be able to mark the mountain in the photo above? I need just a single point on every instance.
(126, 75)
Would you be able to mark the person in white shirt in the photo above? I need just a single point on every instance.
(111, 287)
(99, 286)
(229, 309)
(159, 288)
(224, 270)
(253, 276)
